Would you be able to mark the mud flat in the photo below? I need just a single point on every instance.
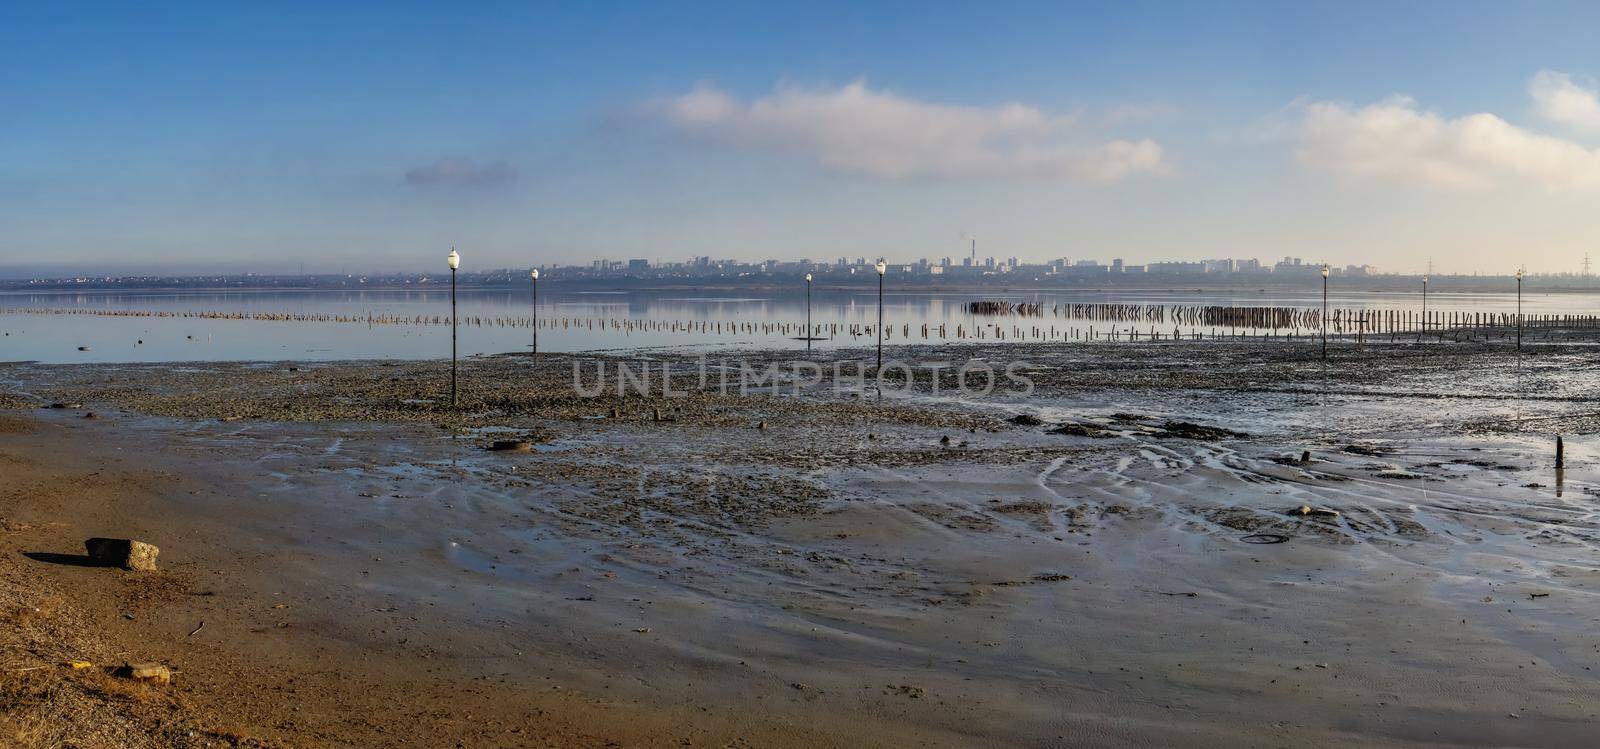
(1144, 557)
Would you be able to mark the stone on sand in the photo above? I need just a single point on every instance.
(150, 673)
(123, 552)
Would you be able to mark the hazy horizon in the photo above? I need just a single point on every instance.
(238, 139)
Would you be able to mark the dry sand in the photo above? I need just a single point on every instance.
(369, 575)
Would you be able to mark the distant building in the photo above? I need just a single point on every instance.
(1178, 268)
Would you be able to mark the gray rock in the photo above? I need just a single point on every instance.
(123, 552)
(151, 673)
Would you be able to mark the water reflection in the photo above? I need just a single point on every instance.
(599, 320)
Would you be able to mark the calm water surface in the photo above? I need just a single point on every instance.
(583, 320)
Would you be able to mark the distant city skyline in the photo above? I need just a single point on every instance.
(948, 269)
(204, 138)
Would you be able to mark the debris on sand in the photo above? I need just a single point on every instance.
(1023, 507)
(1369, 450)
(149, 673)
(1263, 539)
(1080, 430)
(1191, 431)
(1026, 420)
(122, 552)
(1309, 511)
(511, 446)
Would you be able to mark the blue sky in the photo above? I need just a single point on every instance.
(372, 137)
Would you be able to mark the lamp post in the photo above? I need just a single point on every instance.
(454, 260)
(1424, 304)
(1519, 310)
(808, 311)
(535, 310)
(1324, 313)
(881, 270)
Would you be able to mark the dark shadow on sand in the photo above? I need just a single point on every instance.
(70, 560)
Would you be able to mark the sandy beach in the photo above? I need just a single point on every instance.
(1135, 553)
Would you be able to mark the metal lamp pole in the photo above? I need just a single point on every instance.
(1519, 310)
(535, 310)
(808, 311)
(881, 270)
(454, 260)
(1324, 313)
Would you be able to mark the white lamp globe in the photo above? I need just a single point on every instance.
(1324, 271)
(882, 268)
(453, 259)
(808, 278)
(535, 274)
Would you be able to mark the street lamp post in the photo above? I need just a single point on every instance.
(1424, 304)
(535, 310)
(882, 268)
(1519, 310)
(454, 260)
(1324, 313)
(808, 311)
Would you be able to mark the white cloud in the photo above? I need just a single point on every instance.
(1393, 139)
(1137, 114)
(857, 130)
(1560, 100)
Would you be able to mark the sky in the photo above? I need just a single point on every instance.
(373, 137)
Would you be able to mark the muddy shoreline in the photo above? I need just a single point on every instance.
(915, 569)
